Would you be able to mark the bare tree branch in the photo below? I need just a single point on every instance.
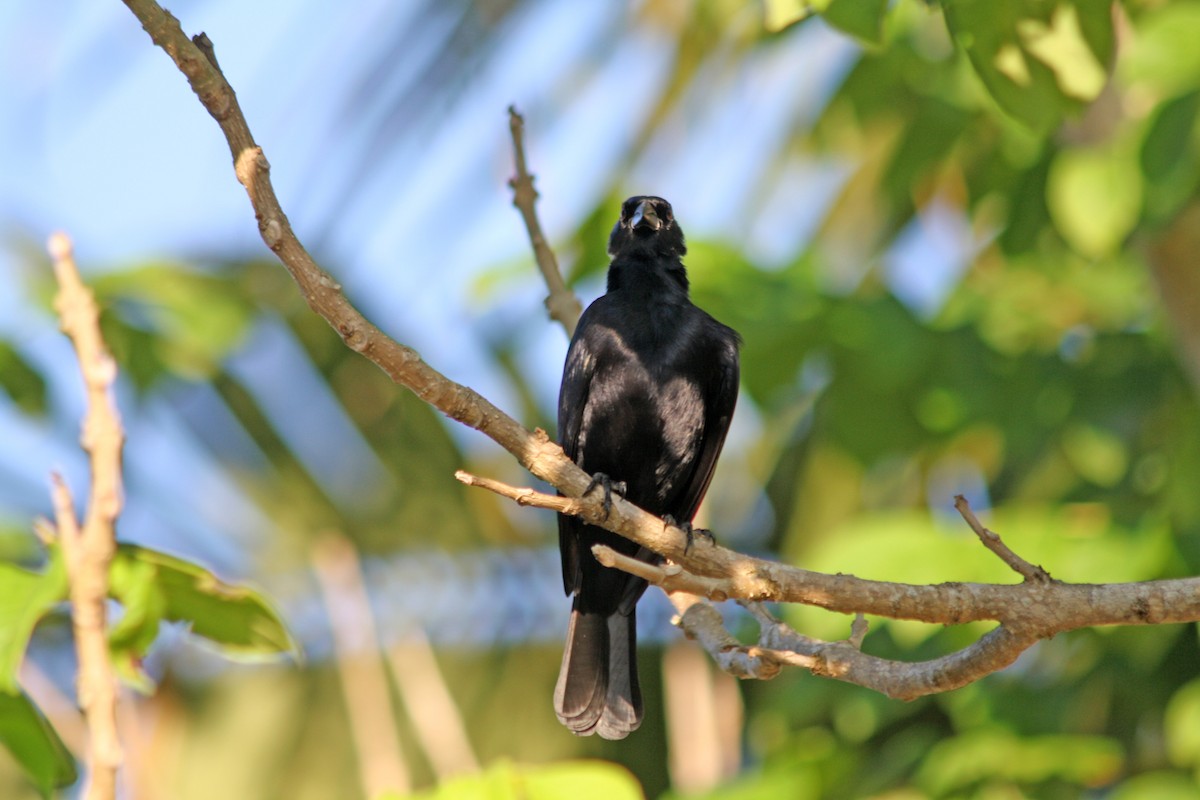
(1030, 572)
(1049, 607)
(1034, 609)
(563, 305)
(533, 449)
(89, 550)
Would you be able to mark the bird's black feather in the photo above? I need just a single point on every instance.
(647, 395)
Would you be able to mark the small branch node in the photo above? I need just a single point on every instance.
(1032, 573)
(205, 45)
(272, 234)
(858, 631)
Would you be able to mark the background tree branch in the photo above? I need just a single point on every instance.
(89, 549)
(1034, 609)
(562, 304)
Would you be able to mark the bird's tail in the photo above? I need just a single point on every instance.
(598, 689)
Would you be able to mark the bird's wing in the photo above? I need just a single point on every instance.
(720, 396)
(572, 400)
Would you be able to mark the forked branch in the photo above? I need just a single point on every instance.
(1034, 609)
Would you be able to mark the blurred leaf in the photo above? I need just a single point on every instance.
(977, 757)
(1096, 454)
(1181, 726)
(1168, 157)
(1162, 52)
(31, 739)
(1094, 197)
(25, 597)
(20, 381)
(780, 14)
(187, 319)
(927, 140)
(1161, 785)
(1039, 60)
(142, 606)
(1077, 543)
(794, 783)
(155, 586)
(862, 19)
(579, 780)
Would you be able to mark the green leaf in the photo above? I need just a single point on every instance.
(579, 780)
(780, 14)
(171, 317)
(31, 739)
(1181, 726)
(1095, 198)
(1158, 785)
(20, 381)
(1038, 60)
(978, 756)
(143, 605)
(154, 586)
(1162, 55)
(1168, 159)
(25, 597)
(1096, 454)
(862, 19)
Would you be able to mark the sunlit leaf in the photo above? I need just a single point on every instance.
(156, 586)
(976, 757)
(1159, 785)
(25, 597)
(780, 14)
(143, 605)
(1181, 726)
(1096, 454)
(579, 780)
(1094, 197)
(31, 739)
(1040, 61)
(1162, 51)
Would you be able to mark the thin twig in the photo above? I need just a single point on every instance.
(992, 541)
(668, 577)
(89, 550)
(563, 305)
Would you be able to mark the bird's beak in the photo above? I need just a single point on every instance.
(645, 216)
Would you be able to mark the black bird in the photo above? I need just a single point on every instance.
(647, 394)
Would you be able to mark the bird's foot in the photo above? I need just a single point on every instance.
(610, 487)
(690, 532)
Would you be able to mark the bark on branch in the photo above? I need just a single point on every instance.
(1036, 608)
(89, 550)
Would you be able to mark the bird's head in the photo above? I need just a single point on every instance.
(647, 227)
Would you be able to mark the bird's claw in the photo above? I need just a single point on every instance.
(610, 487)
(689, 531)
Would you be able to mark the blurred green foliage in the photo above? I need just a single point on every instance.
(1063, 136)
(585, 780)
